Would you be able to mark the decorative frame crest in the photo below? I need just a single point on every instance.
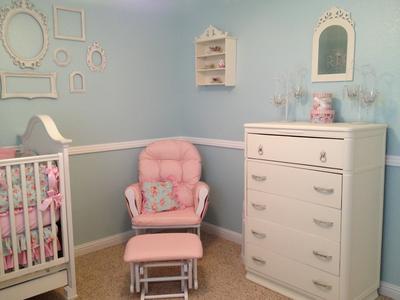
(334, 17)
(334, 13)
(52, 77)
(23, 7)
(96, 48)
(58, 35)
(72, 87)
(212, 33)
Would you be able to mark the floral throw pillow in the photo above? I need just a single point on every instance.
(158, 196)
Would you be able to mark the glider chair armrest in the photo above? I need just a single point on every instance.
(201, 191)
(133, 198)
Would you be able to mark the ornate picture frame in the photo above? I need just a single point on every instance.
(52, 78)
(96, 48)
(26, 8)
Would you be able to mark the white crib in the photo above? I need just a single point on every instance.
(36, 241)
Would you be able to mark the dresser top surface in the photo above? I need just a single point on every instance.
(345, 127)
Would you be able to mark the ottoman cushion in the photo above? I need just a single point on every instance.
(163, 247)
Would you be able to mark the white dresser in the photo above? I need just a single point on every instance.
(313, 208)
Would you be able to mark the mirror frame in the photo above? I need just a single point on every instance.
(6, 15)
(339, 17)
(95, 47)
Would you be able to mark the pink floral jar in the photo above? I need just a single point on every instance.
(322, 111)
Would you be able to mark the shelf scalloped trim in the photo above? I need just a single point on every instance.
(212, 33)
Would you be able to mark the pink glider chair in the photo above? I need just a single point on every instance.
(173, 161)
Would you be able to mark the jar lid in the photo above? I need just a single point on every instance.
(322, 95)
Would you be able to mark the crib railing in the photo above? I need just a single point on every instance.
(42, 263)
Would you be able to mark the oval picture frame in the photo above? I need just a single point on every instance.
(96, 48)
(57, 61)
(6, 15)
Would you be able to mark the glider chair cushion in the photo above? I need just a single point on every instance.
(172, 161)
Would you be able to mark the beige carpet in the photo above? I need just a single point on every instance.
(104, 275)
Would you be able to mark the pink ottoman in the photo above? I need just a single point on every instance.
(163, 250)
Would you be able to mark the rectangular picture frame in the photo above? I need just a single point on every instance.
(58, 35)
(7, 95)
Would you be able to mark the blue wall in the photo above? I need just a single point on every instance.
(148, 90)
(275, 37)
(132, 99)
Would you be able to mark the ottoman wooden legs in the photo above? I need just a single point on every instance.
(187, 277)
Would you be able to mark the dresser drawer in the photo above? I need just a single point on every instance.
(303, 247)
(301, 150)
(306, 278)
(312, 186)
(307, 217)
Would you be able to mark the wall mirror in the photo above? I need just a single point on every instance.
(333, 47)
(96, 58)
(24, 33)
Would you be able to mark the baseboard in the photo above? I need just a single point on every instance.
(120, 238)
(390, 290)
(226, 234)
(99, 244)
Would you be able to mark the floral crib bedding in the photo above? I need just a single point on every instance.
(22, 248)
(48, 185)
(48, 178)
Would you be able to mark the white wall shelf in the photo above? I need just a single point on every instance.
(215, 58)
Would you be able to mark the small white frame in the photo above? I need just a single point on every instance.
(6, 15)
(342, 18)
(96, 48)
(52, 79)
(58, 35)
(72, 87)
(61, 63)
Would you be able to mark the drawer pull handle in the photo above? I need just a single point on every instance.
(258, 260)
(322, 285)
(322, 157)
(259, 235)
(260, 150)
(322, 190)
(324, 224)
(259, 178)
(258, 206)
(322, 256)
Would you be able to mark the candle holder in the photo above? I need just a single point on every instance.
(365, 93)
(288, 88)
